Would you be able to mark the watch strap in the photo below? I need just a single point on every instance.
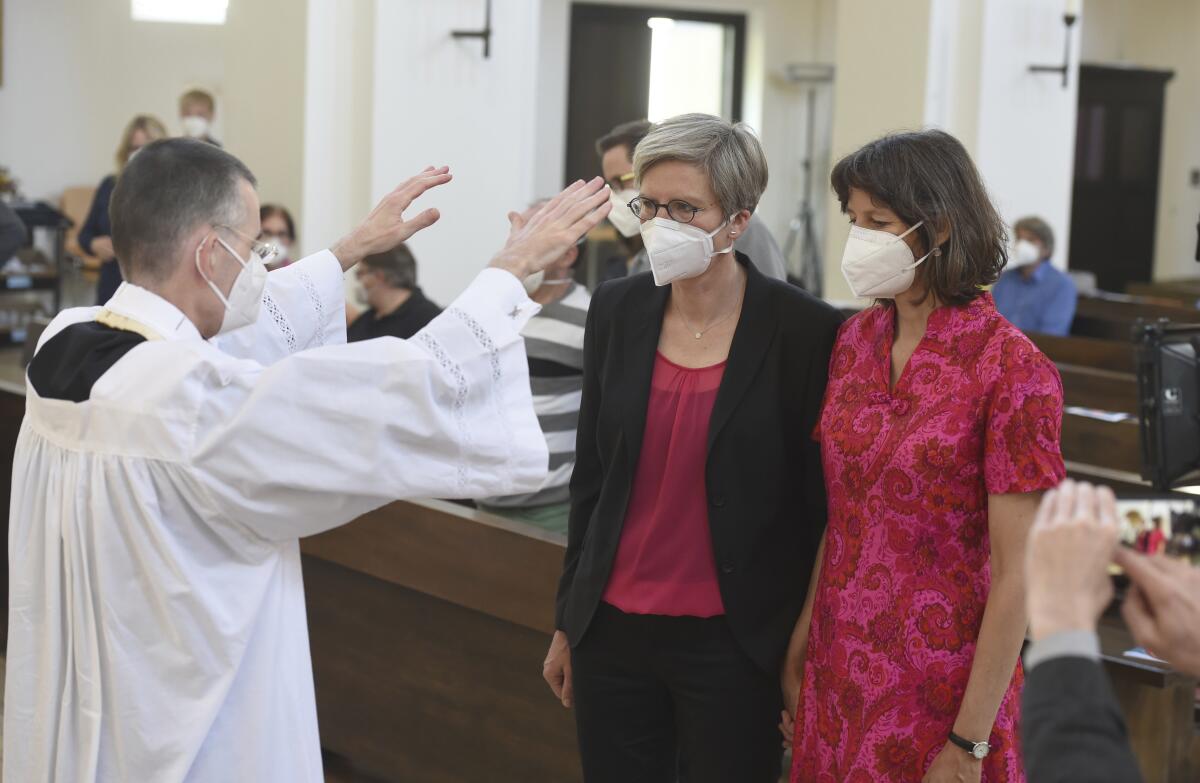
(965, 744)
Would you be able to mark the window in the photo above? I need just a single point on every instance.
(186, 11)
(689, 68)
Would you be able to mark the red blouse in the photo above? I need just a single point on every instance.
(665, 563)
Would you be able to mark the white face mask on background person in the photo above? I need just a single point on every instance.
(679, 251)
(1025, 253)
(878, 264)
(621, 216)
(194, 126)
(283, 251)
(245, 297)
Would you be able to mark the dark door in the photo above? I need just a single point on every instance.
(610, 70)
(1118, 139)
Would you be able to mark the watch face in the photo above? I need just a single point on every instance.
(981, 750)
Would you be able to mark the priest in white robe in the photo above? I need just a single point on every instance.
(162, 477)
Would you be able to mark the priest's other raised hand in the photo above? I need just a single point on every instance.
(386, 226)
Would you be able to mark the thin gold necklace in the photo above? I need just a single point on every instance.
(698, 333)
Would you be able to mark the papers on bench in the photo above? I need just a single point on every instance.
(1140, 654)
(1094, 413)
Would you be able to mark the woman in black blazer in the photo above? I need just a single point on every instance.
(697, 501)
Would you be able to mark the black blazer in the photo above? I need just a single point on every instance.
(766, 491)
(1072, 726)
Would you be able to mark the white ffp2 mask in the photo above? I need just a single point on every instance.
(194, 126)
(677, 250)
(245, 297)
(1025, 253)
(621, 216)
(879, 264)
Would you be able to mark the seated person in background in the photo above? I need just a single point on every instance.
(12, 233)
(197, 108)
(1072, 725)
(1033, 295)
(554, 344)
(616, 161)
(279, 229)
(95, 236)
(396, 307)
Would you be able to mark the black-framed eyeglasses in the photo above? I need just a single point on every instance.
(677, 209)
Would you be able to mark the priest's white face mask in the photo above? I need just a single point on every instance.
(245, 296)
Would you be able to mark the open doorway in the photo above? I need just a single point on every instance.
(627, 63)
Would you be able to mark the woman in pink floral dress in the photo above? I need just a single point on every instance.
(940, 430)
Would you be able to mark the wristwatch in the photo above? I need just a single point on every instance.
(978, 750)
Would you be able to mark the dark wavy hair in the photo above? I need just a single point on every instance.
(929, 176)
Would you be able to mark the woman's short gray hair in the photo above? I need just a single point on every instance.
(728, 152)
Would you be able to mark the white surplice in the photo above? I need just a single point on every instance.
(157, 626)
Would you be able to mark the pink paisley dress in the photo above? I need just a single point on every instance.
(905, 575)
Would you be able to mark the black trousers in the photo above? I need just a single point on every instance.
(660, 699)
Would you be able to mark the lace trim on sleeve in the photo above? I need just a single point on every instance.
(318, 305)
(281, 321)
(500, 414)
(461, 390)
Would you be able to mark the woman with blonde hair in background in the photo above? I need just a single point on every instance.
(95, 235)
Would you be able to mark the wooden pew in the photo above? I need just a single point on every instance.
(1112, 316)
(1097, 374)
(428, 625)
(1102, 389)
(1099, 354)
(1184, 291)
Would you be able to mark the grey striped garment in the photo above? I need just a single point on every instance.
(554, 343)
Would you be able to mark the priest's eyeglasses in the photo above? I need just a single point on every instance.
(266, 251)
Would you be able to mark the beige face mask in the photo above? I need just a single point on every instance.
(878, 264)
(678, 251)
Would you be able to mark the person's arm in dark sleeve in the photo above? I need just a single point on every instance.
(12, 232)
(94, 225)
(588, 476)
(1071, 722)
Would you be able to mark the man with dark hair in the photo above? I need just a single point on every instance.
(163, 478)
(615, 149)
(1032, 294)
(396, 307)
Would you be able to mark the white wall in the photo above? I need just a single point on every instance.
(338, 111)
(1026, 143)
(438, 101)
(76, 71)
(1161, 34)
(879, 87)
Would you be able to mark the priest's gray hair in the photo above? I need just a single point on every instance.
(728, 153)
(168, 189)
